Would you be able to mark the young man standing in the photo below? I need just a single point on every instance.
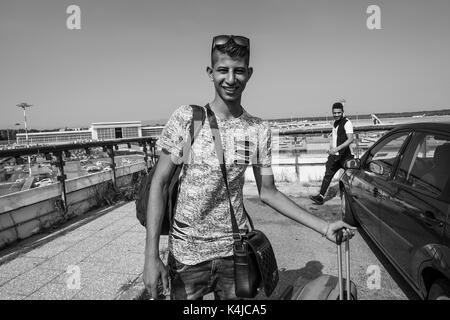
(200, 257)
(342, 137)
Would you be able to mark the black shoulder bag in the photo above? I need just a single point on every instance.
(255, 265)
(142, 198)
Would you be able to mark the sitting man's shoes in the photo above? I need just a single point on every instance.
(317, 199)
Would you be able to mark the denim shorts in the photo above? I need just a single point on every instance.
(192, 282)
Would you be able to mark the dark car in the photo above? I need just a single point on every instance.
(399, 193)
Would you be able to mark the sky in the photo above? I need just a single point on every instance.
(140, 60)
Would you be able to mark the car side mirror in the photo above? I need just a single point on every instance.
(352, 164)
(376, 168)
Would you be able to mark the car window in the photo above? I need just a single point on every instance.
(426, 163)
(381, 158)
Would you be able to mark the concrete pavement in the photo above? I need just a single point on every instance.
(101, 255)
(98, 257)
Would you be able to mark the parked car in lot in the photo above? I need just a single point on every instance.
(43, 182)
(399, 193)
(92, 169)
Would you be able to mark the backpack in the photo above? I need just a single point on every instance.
(142, 197)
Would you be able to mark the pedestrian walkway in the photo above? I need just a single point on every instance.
(104, 247)
(107, 246)
(98, 257)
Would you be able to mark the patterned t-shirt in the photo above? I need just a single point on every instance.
(201, 228)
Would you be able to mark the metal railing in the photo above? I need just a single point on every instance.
(50, 151)
(148, 148)
(323, 130)
(310, 131)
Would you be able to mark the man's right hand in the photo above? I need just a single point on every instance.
(154, 269)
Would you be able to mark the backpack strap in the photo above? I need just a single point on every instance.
(198, 118)
(197, 121)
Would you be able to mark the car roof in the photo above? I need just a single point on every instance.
(432, 126)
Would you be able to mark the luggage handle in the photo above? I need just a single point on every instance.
(339, 238)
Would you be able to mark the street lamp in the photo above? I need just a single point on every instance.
(25, 105)
(17, 130)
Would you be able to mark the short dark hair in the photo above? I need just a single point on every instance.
(232, 49)
(337, 105)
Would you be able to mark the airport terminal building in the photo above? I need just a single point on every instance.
(98, 131)
(55, 137)
(116, 130)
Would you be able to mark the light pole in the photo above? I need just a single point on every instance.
(17, 129)
(25, 105)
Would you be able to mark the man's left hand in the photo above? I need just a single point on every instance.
(333, 228)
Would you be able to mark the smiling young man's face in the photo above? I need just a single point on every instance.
(230, 75)
(338, 113)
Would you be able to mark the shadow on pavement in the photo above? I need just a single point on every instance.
(295, 279)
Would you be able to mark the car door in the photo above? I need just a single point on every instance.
(369, 182)
(413, 212)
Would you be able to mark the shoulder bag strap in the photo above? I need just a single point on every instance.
(221, 157)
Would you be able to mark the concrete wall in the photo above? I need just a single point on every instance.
(25, 213)
(307, 169)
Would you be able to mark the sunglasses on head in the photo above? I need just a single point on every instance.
(223, 39)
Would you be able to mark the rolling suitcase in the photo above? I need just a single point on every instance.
(328, 287)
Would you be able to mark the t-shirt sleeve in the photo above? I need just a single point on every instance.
(264, 152)
(175, 133)
(348, 127)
